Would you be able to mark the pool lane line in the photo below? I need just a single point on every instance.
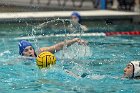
(123, 33)
(61, 35)
(135, 33)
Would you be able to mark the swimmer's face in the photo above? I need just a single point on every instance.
(75, 19)
(29, 51)
(128, 71)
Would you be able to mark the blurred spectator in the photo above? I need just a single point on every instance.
(110, 3)
(93, 2)
(126, 4)
(65, 1)
(115, 4)
(31, 1)
(97, 4)
(49, 1)
(137, 6)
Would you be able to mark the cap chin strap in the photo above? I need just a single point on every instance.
(35, 54)
(133, 70)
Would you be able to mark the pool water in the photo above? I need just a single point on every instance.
(103, 59)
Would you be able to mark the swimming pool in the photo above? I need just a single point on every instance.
(103, 59)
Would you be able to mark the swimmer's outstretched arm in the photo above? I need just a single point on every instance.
(72, 74)
(60, 45)
(75, 75)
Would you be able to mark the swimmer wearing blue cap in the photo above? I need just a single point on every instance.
(132, 70)
(76, 19)
(26, 48)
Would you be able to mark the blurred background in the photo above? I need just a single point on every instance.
(97, 15)
(60, 5)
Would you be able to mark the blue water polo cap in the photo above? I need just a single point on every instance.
(22, 45)
(77, 15)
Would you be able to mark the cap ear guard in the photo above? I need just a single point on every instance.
(136, 68)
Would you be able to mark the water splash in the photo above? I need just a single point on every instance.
(57, 27)
(61, 26)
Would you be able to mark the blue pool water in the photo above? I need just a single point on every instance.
(103, 60)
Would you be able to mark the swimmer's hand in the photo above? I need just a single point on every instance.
(80, 41)
(72, 74)
(84, 75)
(75, 75)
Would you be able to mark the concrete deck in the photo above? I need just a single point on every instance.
(66, 14)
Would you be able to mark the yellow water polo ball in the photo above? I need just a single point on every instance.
(45, 59)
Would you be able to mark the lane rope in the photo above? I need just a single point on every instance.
(135, 33)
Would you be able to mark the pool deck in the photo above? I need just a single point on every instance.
(95, 14)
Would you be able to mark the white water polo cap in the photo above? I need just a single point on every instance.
(136, 68)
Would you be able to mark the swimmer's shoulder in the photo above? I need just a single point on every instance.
(84, 28)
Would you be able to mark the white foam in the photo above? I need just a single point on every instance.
(5, 52)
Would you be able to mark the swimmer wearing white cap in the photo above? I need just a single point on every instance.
(132, 70)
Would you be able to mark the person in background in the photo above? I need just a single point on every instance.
(115, 4)
(31, 1)
(137, 6)
(132, 70)
(126, 4)
(76, 22)
(82, 1)
(65, 1)
(49, 2)
(97, 4)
